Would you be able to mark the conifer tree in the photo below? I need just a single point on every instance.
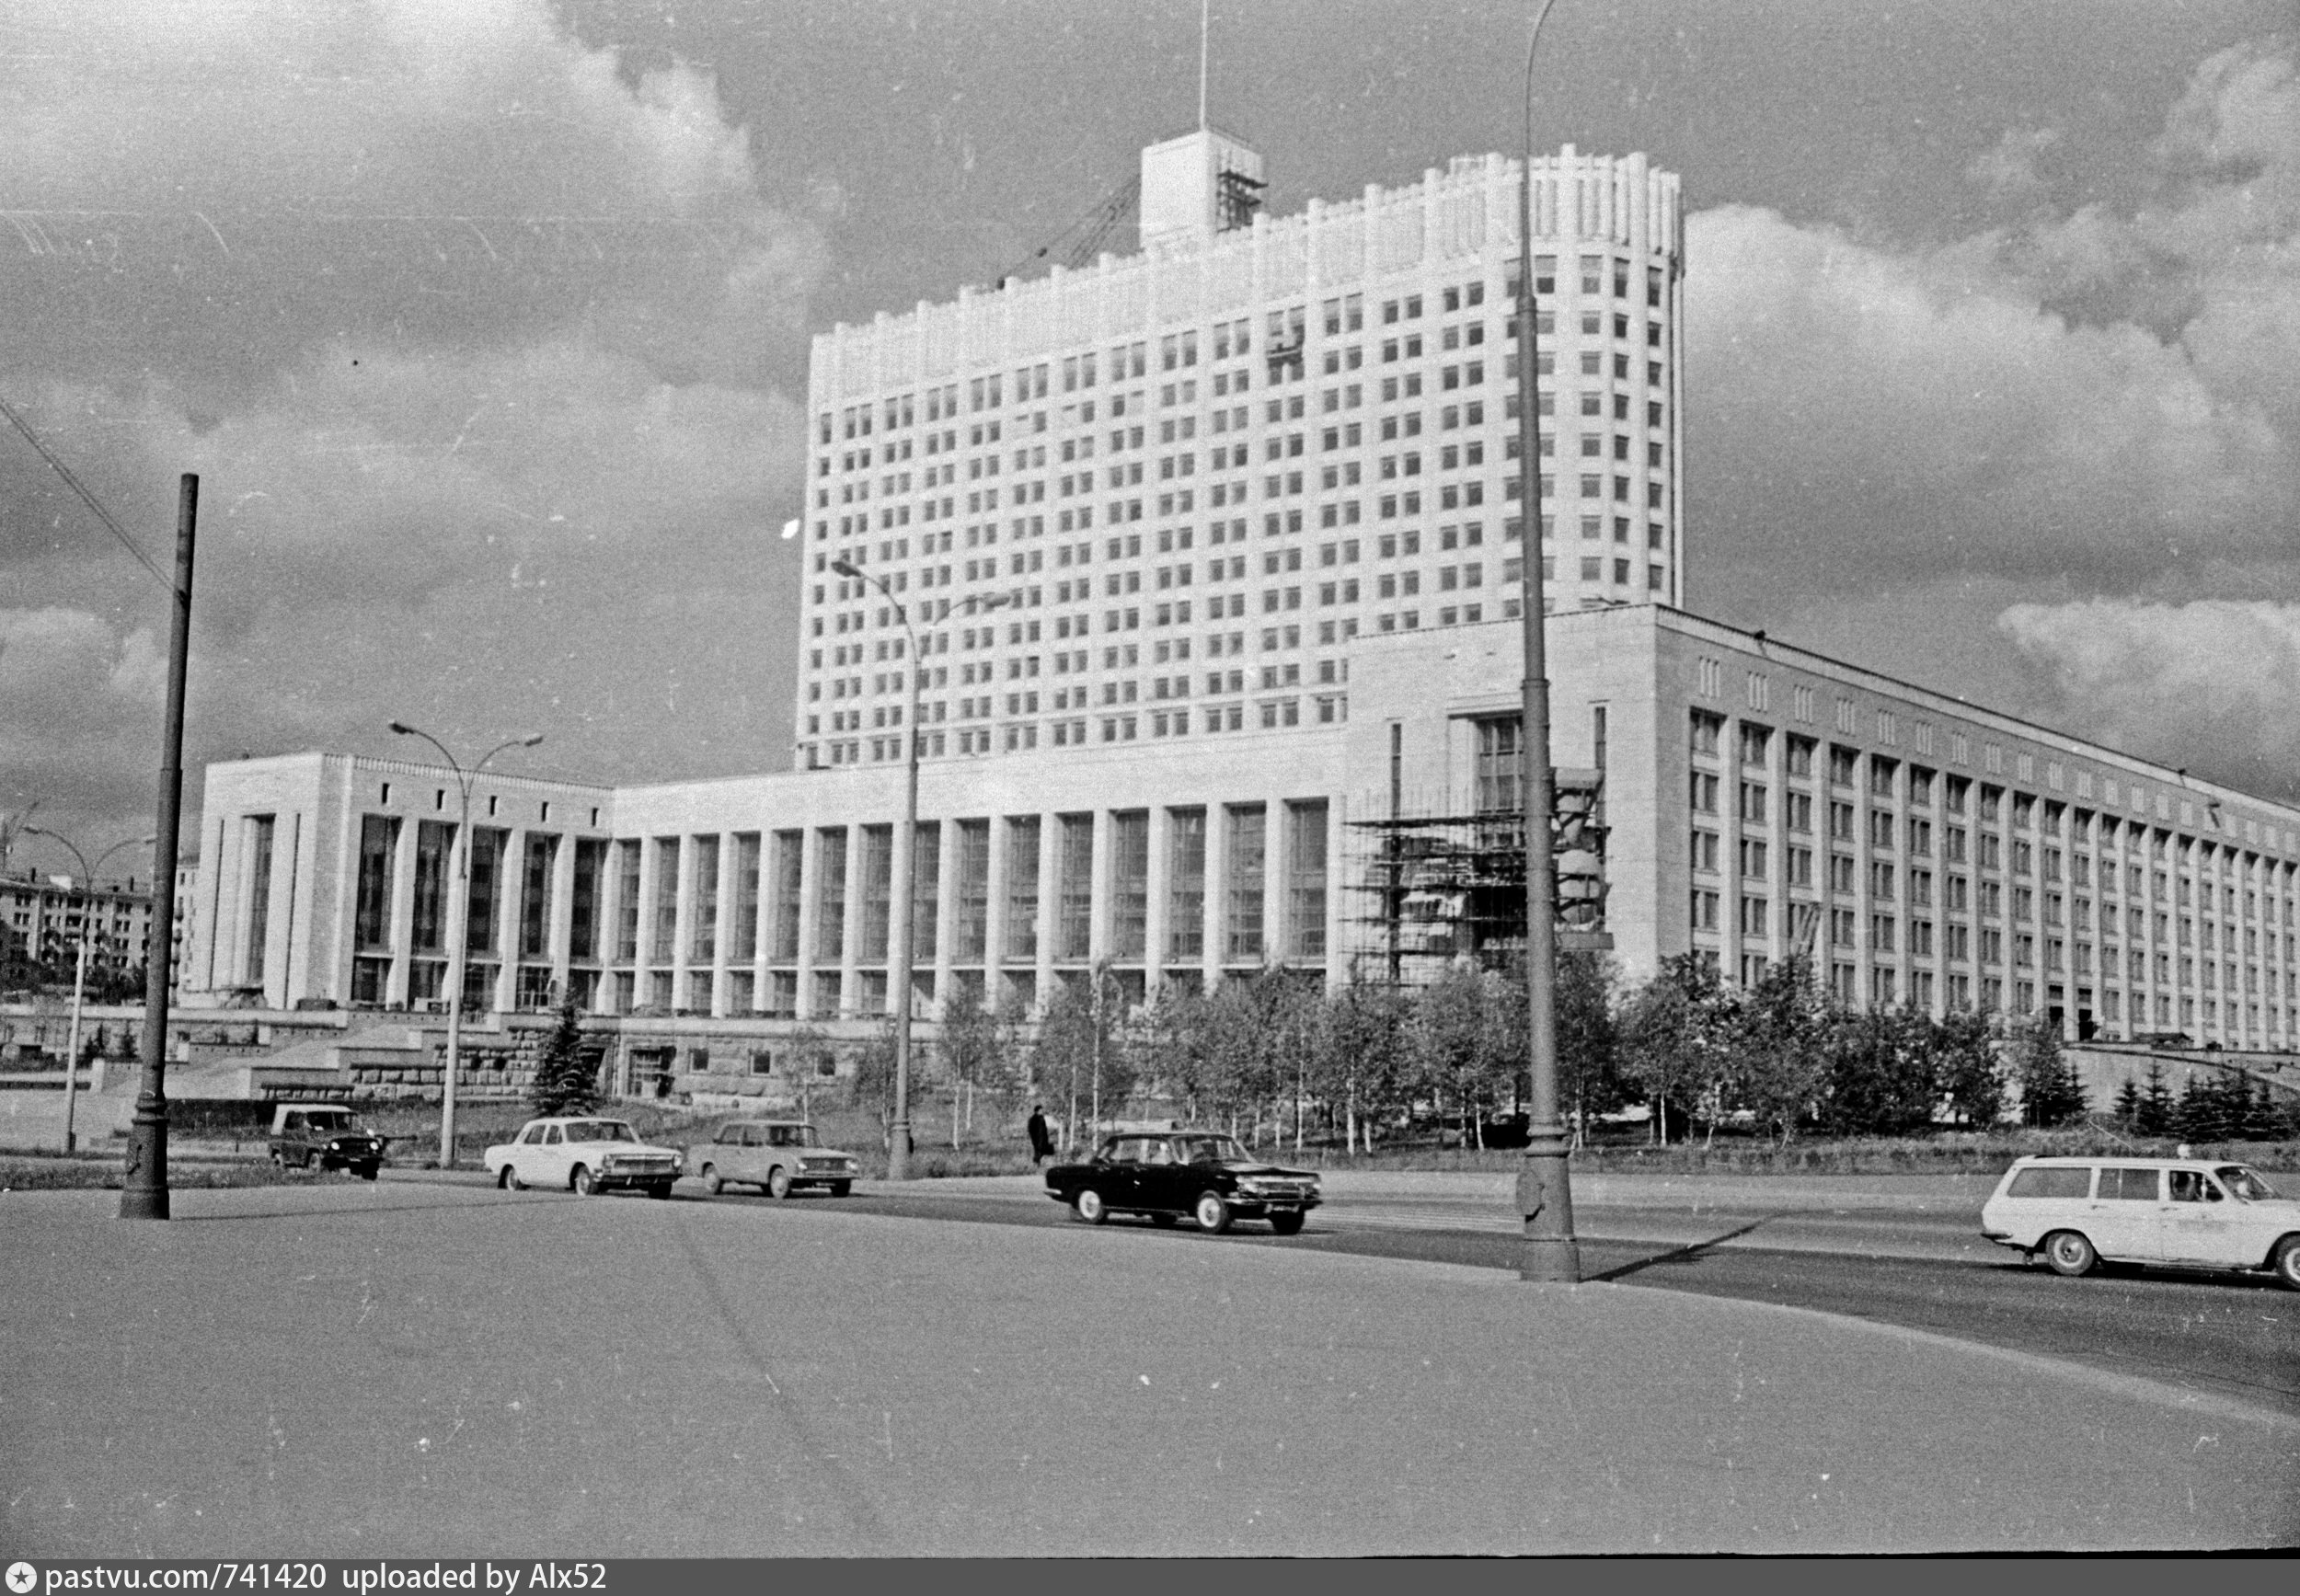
(564, 1082)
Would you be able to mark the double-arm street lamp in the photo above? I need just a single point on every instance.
(902, 909)
(1545, 1195)
(459, 912)
(79, 974)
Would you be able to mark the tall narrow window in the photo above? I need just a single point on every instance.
(1129, 883)
(534, 896)
(259, 833)
(1248, 865)
(926, 890)
(1022, 842)
(745, 943)
(626, 901)
(878, 891)
(483, 889)
(379, 854)
(432, 840)
(1306, 879)
(970, 929)
(1501, 768)
(703, 934)
(830, 901)
(664, 936)
(782, 939)
(1186, 885)
(1074, 927)
(583, 917)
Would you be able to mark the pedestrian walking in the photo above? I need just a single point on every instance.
(1041, 1138)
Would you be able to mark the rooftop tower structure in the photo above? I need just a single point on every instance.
(1191, 479)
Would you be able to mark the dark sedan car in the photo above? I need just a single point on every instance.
(1167, 1174)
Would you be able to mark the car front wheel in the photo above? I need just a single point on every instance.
(1090, 1206)
(2066, 1253)
(711, 1182)
(1286, 1224)
(2287, 1263)
(582, 1182)
(841, 1187)
(1212, 1213)
(778, 1183)
(509, 1179)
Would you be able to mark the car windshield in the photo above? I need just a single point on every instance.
(790, 1136)
(329, 1119)
(2244, 1183)
(600, 1130)
(1210, 1148)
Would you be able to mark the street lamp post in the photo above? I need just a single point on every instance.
(905, 843)
(79, 974)
(459, 909)
(1545, 1195)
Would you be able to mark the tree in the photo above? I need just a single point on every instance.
(873, 1083)
(2128, 1104)
(1775, 1045)
(1967, 1069)
(2157, 1105)
(1468, 1034)
(1081, 1043)
(1670, 1039)
(1364, 1059)
(1589, 1067)
(969, 1046)
(2050, 1093)
(1880, 1073)
(565, 1079)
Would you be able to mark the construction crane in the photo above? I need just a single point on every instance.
(1077, 245)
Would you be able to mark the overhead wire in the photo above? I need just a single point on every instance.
(87, 497)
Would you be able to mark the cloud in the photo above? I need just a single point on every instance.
(481, 342)
(79, 703)
(2008, 167)
(2085, 405)
(2209, 683)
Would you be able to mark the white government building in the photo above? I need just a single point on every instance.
(1210, 558)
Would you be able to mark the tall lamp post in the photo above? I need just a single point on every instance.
(459, 909)
(79, 974)
(902, 909)
(1545, 1195)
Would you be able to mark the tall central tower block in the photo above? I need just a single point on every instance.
(1162, 497)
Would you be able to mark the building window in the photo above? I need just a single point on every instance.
(745, 949)
(1074, 924)
(703, 933)
(582, 919)
(1306, 879)
(379, 856)
(878, 891)
(969, 928)
(830, 908)
(662, 946)
(1500, 765)
(433, 841)
(1186, 885)
(1247, 851)
(534, 896)
(782, 939)
(260, 829)
(1129, 883)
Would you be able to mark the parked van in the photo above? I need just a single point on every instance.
(2184, 1212)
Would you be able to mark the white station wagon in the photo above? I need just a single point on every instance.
(2183, 1213)
(582, 1154)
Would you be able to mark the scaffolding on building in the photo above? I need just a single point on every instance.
(1445, 888)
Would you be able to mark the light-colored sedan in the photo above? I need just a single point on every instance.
(584, 1155)
(779, 1156)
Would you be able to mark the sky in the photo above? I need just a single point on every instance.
(484, 324)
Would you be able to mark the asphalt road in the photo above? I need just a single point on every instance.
(2235, 1336)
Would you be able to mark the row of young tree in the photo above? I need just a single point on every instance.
(1273, 1057)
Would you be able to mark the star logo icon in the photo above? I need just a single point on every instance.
(22, 1576)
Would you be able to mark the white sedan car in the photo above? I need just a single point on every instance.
(582, 1155)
